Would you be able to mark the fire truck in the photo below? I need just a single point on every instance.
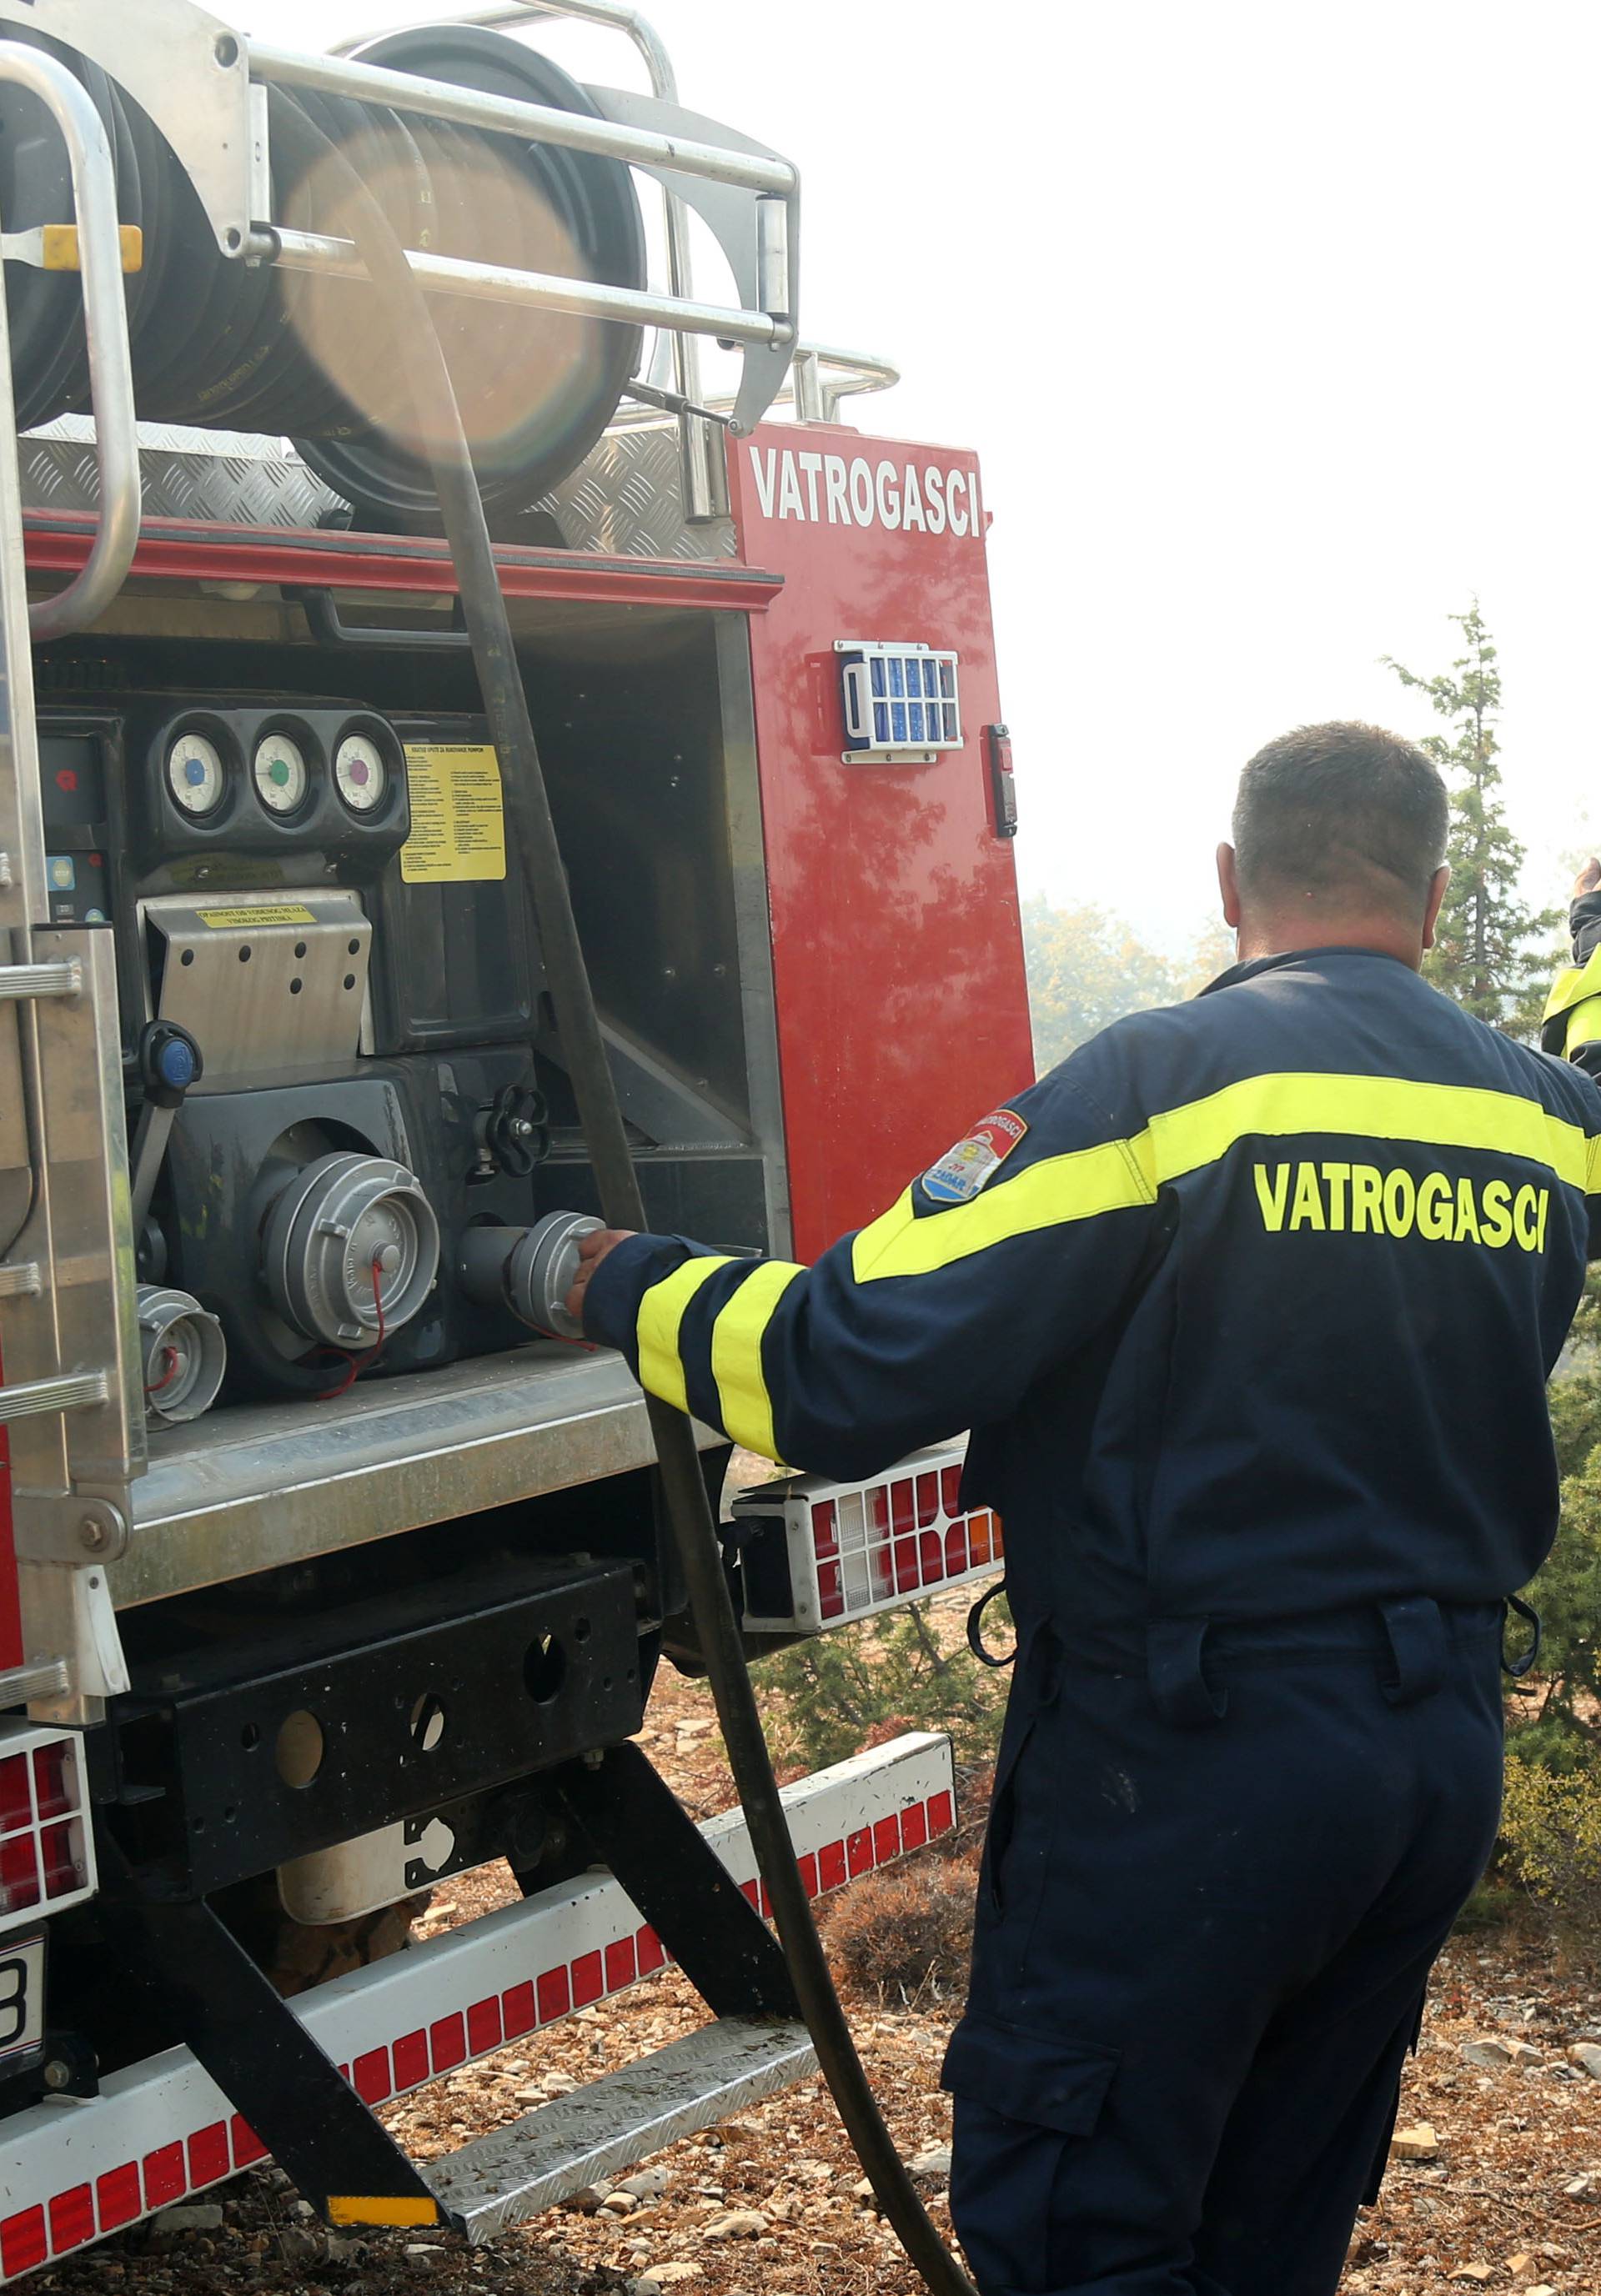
(333, 1563)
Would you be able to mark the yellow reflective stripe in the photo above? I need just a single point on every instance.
(1367, 1108)
(745, 1405)
(661, 1314)
(1113, 1176)
(1584, 1025)
(1574, 983)
(1119, 1175)
(351, 2208)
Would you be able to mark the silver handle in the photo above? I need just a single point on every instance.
(453, 275)
(20, 982)
(30, 1399)
(538, 123)
(105, 320)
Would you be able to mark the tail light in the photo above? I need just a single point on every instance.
(46, 1848)
(817, 1553)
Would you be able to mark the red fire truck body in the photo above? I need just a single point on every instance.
(897, 951)
(325, 1570)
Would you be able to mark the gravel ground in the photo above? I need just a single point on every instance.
(1506, 2194)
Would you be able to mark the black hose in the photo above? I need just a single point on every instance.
(689, 1510)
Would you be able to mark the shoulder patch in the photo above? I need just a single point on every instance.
(972, 1163)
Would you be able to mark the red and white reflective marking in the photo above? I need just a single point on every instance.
(46, 1854)
(820, 1553)
(161, 2129)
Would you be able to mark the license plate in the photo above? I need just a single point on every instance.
(21, 1997)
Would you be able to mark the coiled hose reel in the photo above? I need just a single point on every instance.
(221, 344)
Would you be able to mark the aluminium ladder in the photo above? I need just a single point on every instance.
(71, 1409)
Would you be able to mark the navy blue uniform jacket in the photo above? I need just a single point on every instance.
(1249, 1306)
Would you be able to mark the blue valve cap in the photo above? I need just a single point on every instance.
(176, 1064)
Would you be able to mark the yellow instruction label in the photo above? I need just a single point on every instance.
(257, 913)
(457, 821)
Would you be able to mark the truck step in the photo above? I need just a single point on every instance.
(617, 2121)
(161, 2130)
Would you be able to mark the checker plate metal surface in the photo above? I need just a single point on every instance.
(625, 501)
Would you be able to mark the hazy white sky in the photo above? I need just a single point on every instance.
(1274, 327)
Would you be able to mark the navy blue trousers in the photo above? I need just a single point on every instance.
(1203, 1942)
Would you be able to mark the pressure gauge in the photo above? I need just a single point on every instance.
(281, 775)
(194, 773)
(360, 773)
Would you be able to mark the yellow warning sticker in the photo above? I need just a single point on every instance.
(255, 912)
(457, 820)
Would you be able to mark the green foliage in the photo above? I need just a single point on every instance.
(840, 1692)
(1482, 953)
(1493, 954)
(1087, 968)
(1575, 1395)
(1556, 1720)
(1551, 1830)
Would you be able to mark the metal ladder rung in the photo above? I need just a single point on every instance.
(613, 2123)
(40, 1678)
(20, 981)
(69, 1392)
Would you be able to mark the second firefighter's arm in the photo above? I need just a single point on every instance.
(1572, 1026)
(936, 1317)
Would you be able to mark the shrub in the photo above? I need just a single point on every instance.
(1551, 1832)
(1575, 1395)
(901, 1670)
(906, 1934)
(1556, 1717)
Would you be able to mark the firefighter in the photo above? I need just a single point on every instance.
(1250, 1307)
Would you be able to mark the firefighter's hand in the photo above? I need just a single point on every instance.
(1587, 879)
(592, 1251)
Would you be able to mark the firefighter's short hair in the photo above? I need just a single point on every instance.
(1341, 808)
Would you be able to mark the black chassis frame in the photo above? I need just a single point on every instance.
(232, 1758)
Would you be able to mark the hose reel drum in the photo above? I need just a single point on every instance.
(222, 344)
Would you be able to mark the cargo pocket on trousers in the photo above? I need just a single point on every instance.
(1039, 2077)
(1025, 2104)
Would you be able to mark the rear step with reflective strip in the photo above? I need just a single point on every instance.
(557, 2150)
(72, 2171)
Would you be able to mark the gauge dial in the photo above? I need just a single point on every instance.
(360, 773)
(194, 773)
(281, 775)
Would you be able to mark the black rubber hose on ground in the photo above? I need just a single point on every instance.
(689, 1509)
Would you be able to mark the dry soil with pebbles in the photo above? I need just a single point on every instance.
(1505, 2192)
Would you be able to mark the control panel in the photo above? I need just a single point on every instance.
(254, 778)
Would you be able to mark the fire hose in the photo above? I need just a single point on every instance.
(417, 346)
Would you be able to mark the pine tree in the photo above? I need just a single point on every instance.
(1491, 952)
